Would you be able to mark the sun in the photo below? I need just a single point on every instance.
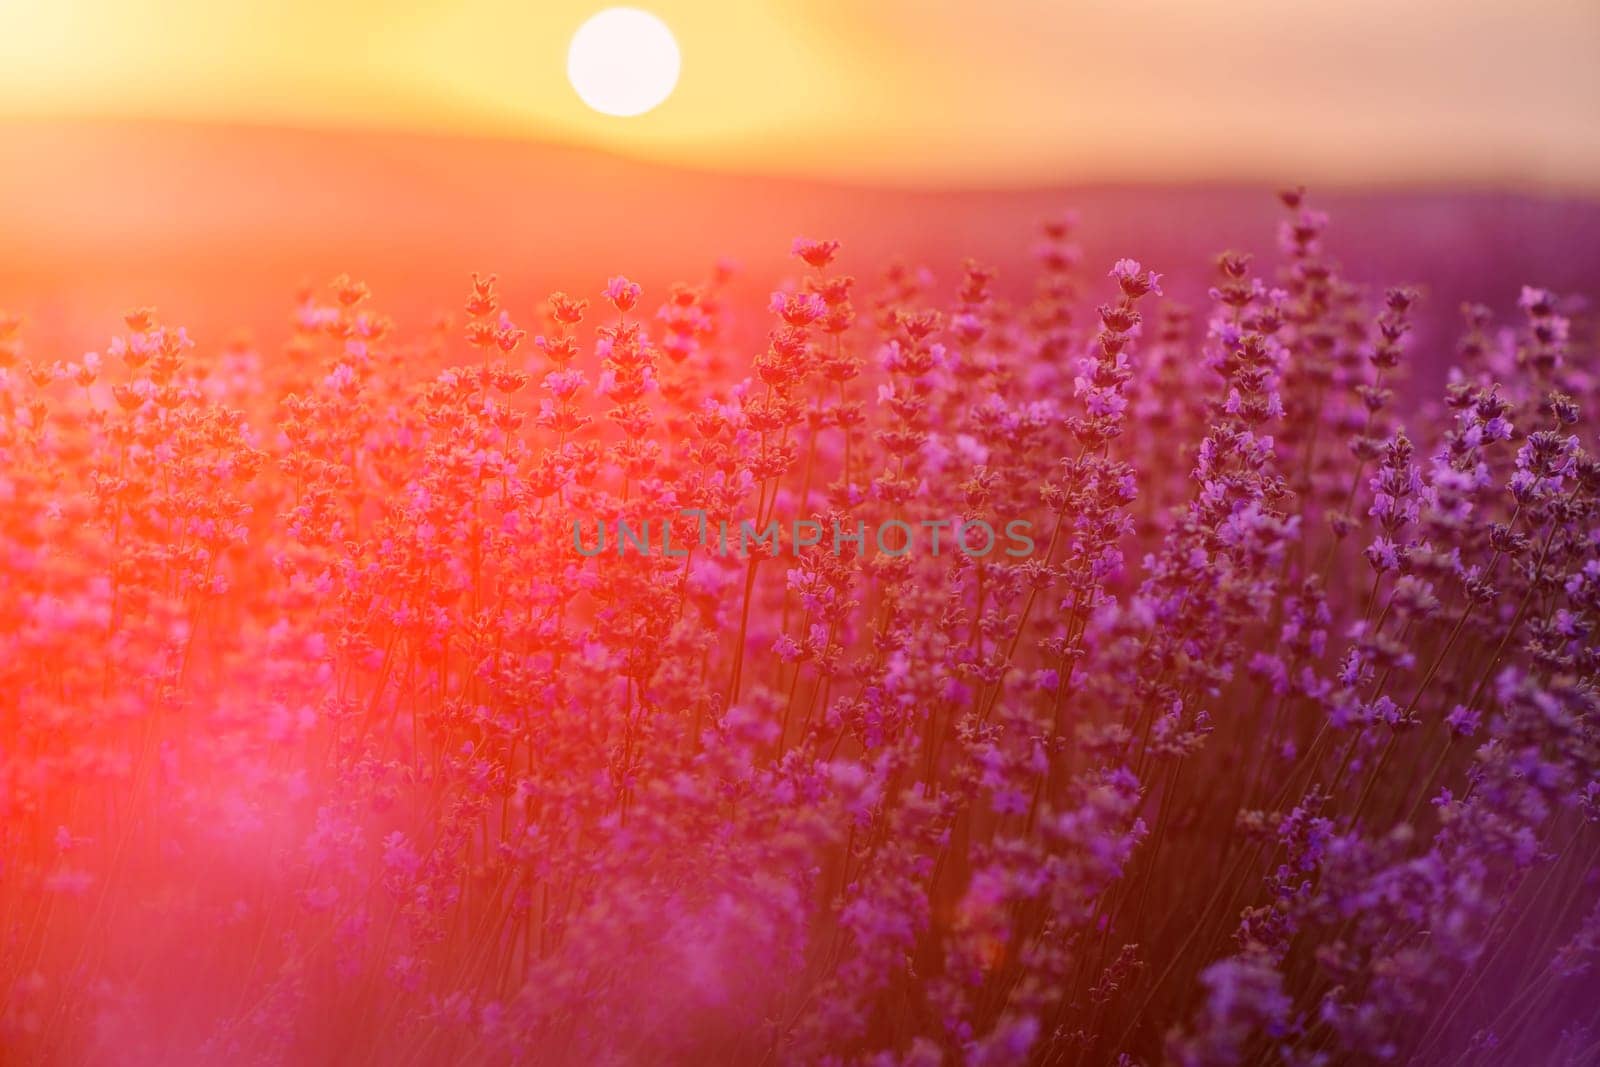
(623, 61)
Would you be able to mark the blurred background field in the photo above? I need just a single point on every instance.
(220, 225)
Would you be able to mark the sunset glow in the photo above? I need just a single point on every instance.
(867, 533)
(893, 91)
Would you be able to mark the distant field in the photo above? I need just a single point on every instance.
(213, 223)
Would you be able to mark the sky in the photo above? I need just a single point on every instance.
(900, 92)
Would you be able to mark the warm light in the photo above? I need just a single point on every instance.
(623, 61)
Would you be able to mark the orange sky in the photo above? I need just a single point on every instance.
(925, 92)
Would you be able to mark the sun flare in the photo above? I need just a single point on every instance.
(623, 61)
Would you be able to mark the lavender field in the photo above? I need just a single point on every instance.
(1260, 728)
